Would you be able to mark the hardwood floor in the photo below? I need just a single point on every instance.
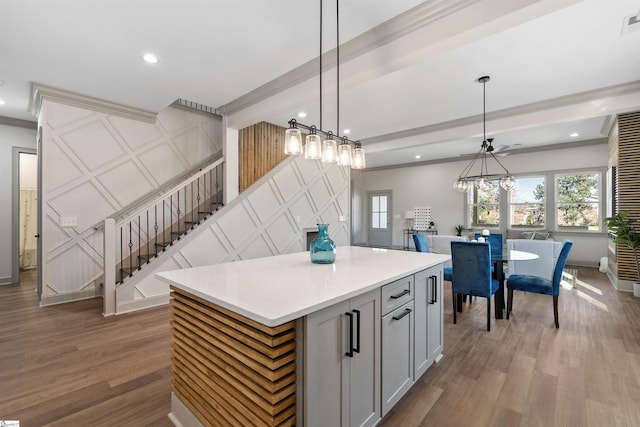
(67, 365)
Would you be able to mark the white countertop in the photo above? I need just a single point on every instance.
(275, 290)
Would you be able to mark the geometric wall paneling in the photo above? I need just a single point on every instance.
(264, 202)
(320, 193)
(56, 235)
(304, 211)
(66, 115)
(134, 133)
(192, 147)
(65, 173)
(308, 169)
(288, 183)
(75, 203)
(62, 272)
(336, 177)
(96, 163)
(281, 232)
(125, 182)
(104, 146)
(201, 247)
(162, 162)
(257, 248)
(237, 225)
(175, 119)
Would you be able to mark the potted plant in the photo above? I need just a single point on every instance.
(459, 229)
(628, 236)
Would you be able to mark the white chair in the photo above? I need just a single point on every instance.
(548, 252)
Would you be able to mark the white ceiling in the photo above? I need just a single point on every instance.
(408, 69)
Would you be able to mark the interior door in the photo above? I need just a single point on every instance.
(39, 209)
(380, 219)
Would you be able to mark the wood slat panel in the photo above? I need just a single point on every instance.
(261, 148)
(628, 184)
(227, 371)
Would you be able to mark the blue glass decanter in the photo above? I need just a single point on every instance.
(323, 250)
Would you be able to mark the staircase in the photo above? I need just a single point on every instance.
(145, 234)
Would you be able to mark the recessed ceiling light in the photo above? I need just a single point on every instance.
(346, 131)
(2, 102)
(302, 114)
(418, 156)
(150, 58)
(574, 134)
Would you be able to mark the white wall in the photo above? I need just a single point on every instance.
(94, 165)
(10, 137)
(432, 185)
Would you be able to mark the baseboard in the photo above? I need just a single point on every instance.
(620, 285)
(69, 297)
(140, 304)
(180, 415)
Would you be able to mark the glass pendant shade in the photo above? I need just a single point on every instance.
(358, 159)
(329, 151)
(313, 147)
(292, 141)
(482, 184)
(344, 155)
(461, 185)
(508, 182)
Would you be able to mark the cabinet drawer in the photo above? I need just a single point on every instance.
(396, 294)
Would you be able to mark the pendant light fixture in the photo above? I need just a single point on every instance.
(482, 181)
(347, 152)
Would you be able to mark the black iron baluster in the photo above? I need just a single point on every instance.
(155, 227)
(192, 209)
(171, 216)
(164, 224)
(121, 258)
(139, 242)
(148, 239)
(178, 213)
(130, 249)
(198, 199)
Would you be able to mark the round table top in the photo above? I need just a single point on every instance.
(514, 255)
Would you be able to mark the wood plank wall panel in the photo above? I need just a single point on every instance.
(628, 184)
(261, 148)
(228, 369)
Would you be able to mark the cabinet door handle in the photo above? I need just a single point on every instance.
(401, 294)
(434, 289)
(350, 352)
(400, 316)
(357, 348)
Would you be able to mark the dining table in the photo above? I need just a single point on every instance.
(498, 261)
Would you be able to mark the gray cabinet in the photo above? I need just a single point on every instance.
(397, 355)
(429, 331)
(342, 363)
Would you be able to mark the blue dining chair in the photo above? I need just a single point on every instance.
(496, 242)
(421, 245)
(540, 285)
(472, 273)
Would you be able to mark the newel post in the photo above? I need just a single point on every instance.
(109, 297)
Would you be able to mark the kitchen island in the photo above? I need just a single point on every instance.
(281, 341)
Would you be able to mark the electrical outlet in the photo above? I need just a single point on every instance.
(68, 221)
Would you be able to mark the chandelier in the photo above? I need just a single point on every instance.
(482, 181)
(333, 148)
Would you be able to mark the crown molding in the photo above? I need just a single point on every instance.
(20, 123)
(40, 92)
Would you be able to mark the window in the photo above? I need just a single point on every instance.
(578, 201)
(526, 203)
(485, 206)
(379, 212)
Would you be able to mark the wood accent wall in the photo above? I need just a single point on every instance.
(628, 184)
(261, 148)
(230, 370)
